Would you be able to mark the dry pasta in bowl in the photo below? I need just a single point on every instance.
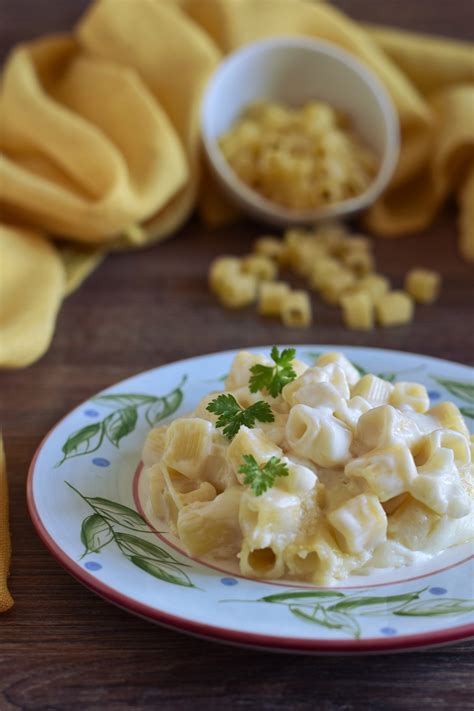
(301, 158)
(313, 473)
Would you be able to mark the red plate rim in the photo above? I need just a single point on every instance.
(223, 634)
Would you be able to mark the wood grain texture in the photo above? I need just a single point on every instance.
(61, 647)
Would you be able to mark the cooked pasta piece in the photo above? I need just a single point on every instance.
(439, 486)
(319, 395)
(410, 396)
(359, 524)
(388, 471)
(162, 501)
(351, 410)
(212, 527)
(154, 445)
(332, 373)
(423, 285)
(239, 374)
(318, 558)
(444, 439)
(373, 389)
(188, 444)
(318, 436)
(339, 359)
(270, 520)
(412, 523)
(384, 426)
(300, 479)
(261, 562)
(449, 416)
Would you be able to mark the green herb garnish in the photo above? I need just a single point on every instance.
(274, 378)
(232, 416)
(261, 478)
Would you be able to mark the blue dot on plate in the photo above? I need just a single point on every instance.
(91, 413)
(434, 395)
(388, 631)
(229, 581)
(438, 591)
(101, 462)
(92, 565)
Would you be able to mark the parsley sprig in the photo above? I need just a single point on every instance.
(232, 416)
(261, 478)
(274, 378)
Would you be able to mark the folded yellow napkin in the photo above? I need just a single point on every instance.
(100, 138)
(5, 599)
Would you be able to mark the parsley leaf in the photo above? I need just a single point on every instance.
(274, 378)
(231, 416)
(261, 478)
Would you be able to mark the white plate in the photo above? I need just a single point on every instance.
(86, 500)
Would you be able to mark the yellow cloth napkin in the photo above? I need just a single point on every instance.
(5, 598)
(99, 134)
(112, 156)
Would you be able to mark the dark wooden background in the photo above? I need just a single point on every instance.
(61, 647)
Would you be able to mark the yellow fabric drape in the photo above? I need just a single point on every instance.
(112, 157)
(99, 136)
(31, 284)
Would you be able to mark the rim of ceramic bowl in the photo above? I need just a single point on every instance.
(251, 200)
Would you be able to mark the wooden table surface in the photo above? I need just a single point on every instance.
(61, 647)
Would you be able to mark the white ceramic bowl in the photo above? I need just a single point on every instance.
(293, 71)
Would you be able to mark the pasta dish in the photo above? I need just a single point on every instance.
(313, 473)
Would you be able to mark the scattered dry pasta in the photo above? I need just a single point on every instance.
(349, 473)
(423, 285)
(358, 311)
(296, 309)
(394, 308)
(335, 263)
(301, 158)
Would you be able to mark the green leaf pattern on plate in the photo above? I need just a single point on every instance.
(462, 390)
(122, 421)
(163, 407)
(99, 529)
(83, 441)
(336, 610)
(95, 533)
